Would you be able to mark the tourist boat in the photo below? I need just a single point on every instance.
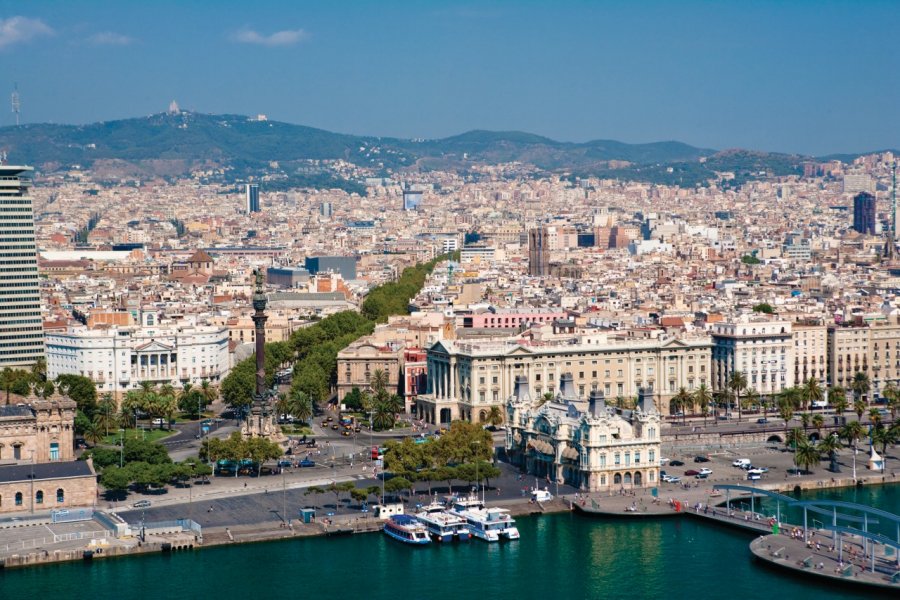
(443, 526)
(406, 529)
(488, 524)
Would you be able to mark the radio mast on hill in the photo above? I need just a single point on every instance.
(14, 97)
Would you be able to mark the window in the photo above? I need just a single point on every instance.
(616, 459)
(39, 497)
(652, 456)
(60, 496)
(637, 458)
(18, 498)
(54, 451)
(603, 460)
(17, 452)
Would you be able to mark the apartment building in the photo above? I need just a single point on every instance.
(761, 348)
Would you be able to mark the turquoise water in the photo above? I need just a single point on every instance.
(559, 556)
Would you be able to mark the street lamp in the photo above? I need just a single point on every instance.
(32, 481)
(122, 449)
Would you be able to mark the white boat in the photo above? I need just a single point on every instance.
(441, 525)
(488, 524)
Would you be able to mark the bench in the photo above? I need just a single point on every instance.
(777, 553)
(807, 562)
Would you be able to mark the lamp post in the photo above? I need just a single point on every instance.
(32, 481)
(122, 449)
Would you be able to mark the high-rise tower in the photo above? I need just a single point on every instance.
(890, 240)
(21, 330)
(864, 213)
(252, 194)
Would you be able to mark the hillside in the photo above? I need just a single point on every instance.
(173, 144)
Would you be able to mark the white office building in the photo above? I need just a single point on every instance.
(118, 359)
(763, 350)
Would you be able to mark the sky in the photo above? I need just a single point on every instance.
(812, 77)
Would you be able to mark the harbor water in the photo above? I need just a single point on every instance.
(559, 556)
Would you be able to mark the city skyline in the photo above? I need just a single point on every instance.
(709, 75)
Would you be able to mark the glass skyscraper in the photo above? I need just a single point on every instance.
(252, 191)
(21, 329)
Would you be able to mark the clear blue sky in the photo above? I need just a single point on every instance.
(801, 76)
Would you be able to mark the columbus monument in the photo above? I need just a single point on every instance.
(261, 421)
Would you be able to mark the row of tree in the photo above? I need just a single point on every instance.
(237, 448)
(393, 298)
(381, 403)
(463, 453)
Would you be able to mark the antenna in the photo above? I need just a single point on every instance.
(14, 97)
(893, 201)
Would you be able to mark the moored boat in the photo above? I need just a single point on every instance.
(441, 525)
(406, 529)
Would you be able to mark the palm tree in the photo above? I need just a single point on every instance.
(93, 433)
(106, 412)
(831, 445)
(859, 407)
(7, 379)
(860, 384)
(812, 392)
(804, 418)
(682, 401)
(703, 398)
(383, 416)
(818, 421)
(209, 392)
(806, 455)
(894, 405)
(751, 397)
(300, 405)
(379, 381)
(736, 383)
(875, 417)
(547, 397)
(838, 399)
(495, 416)
(795, 437)
(853, 432)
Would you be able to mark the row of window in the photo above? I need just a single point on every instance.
(38, 497)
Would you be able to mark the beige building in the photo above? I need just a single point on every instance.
(761, 348)
(585, 444)
(356, 364)
(871, 348)
(810, 352)
(37, 466)
(37, 430)
(47, 486)
(466, 379)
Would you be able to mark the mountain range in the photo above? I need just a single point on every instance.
(171, 144)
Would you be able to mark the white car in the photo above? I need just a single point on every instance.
(672, 479)
(756, 471)
(741, 462)
(663, 462)
(705, 471)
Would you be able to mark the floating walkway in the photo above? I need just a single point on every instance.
(841, 545)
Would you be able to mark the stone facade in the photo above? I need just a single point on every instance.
(466, 379)
(586, 444)
(37, 430)
(357, 363)
(54, 486)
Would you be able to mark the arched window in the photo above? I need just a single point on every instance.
(39, 497)
(60, 496)
(18, 498)
(617, 479)
(627, 478)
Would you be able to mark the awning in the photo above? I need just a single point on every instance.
(541, 446)
(570, 453)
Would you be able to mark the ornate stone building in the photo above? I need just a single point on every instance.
(37, 467)
(584, 443)
(37, 430)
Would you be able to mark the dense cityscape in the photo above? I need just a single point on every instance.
(441, 342)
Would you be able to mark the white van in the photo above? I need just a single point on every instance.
(541, 496)
(741, 462)
(820, 404)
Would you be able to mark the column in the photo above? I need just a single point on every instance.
(452, 366)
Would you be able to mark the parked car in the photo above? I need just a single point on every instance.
(762, 420)
(701, 459)
(673, 479)
(701, 476)
(306, 462)
(159, 421)
(753, 476)
(663, 462)
(285, 463)
(757, 470)
(691, 472)
(141, 504)
(740, 462)
(676, 463)
(705, 471)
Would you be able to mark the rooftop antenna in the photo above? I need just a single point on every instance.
(893, 203)
(14, 97)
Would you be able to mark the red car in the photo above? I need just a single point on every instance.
(691, 472)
